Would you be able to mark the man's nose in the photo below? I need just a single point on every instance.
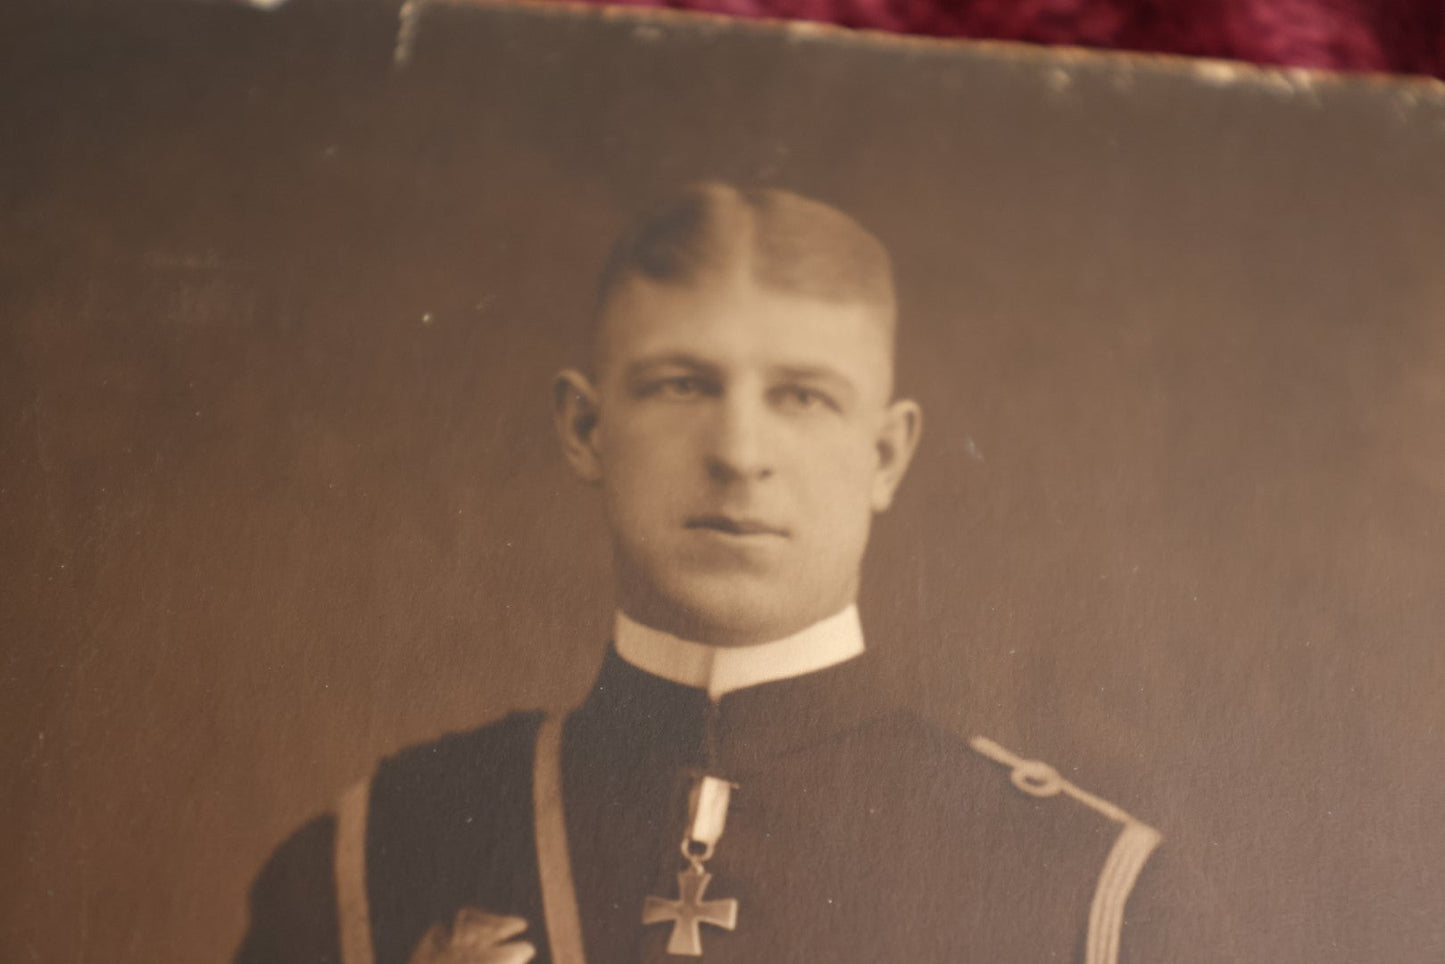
(739, 447)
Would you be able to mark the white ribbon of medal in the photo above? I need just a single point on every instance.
(707, 809)
(707, 806)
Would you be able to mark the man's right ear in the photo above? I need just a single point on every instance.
(575, 414)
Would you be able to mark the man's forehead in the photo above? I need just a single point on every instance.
(643, 313)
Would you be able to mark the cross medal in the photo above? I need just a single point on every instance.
(708, 808)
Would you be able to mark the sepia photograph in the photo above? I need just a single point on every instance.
(501, 482)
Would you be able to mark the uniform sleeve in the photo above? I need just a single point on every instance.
(293, 902)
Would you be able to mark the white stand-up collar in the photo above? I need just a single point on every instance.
(722, 669)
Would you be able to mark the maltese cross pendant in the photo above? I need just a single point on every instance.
(689, 912)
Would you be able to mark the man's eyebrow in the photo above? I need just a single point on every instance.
(810, 372)
(644, 366)
(832, 377)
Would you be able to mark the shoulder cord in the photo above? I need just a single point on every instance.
(1121, 868)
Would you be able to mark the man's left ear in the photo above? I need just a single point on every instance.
(897, 440)
(575, 416)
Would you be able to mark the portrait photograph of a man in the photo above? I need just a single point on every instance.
(741, 422)
(491, 483)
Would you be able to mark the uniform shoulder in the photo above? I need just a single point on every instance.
(897, 747)
(428, 784)
(899, 725)
(489, 746)
(984, 770)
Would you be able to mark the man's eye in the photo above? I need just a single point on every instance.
(683, 386)
(804, 398)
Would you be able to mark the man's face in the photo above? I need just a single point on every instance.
(742, 438)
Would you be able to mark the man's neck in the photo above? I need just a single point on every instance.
(724, 669)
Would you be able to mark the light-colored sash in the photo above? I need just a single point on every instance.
(554, 862)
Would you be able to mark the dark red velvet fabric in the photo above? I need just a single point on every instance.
(1399, 36)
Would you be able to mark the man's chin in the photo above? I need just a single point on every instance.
(739, 613)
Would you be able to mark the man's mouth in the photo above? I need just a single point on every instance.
(736, 525)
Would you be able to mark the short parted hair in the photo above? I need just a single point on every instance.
(783, 241)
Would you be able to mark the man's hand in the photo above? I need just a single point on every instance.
(475, 937)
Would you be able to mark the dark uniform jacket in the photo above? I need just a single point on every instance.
(856, 833)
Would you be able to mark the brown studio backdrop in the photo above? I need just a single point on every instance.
(280, 495)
